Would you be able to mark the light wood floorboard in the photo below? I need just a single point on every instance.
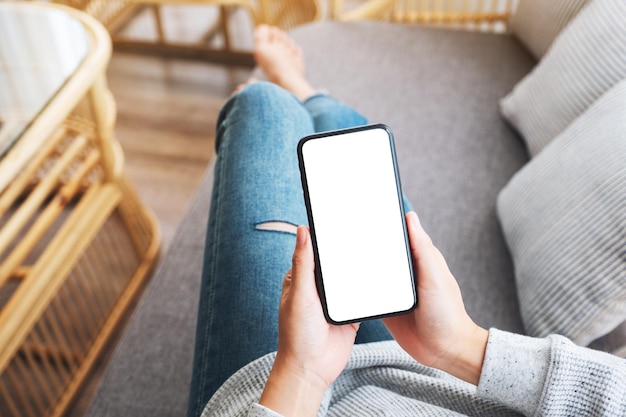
(166, 124)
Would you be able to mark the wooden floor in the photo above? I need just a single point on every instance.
(167, 110)
(166, 124)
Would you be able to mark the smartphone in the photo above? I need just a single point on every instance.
(353, 198)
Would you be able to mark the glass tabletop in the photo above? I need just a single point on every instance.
(40, 48)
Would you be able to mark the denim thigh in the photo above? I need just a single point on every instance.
(256, 181)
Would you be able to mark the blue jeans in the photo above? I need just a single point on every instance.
(257, 181)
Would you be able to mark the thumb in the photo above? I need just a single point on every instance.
(429, 262)
(302, 262)
(419, 240)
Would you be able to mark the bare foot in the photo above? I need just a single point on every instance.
(281, 60)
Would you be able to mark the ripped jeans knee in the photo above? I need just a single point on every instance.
(277, 226)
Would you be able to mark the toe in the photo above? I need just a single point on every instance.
(262, 33)
(275, 34)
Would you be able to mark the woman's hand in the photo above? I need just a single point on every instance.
(438, 333)
(311, 352)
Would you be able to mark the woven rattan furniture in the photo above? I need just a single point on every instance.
(483, 15)
(76, 244)
(115, 14)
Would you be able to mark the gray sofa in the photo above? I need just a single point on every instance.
(438, 90)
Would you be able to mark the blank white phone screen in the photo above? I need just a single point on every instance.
(358, 225)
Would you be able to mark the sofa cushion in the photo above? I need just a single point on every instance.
(585, 60)
(536, 23)
(564, 218)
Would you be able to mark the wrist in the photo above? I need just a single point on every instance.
(292, 390)
(467, 361)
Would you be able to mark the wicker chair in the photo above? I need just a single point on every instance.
(483, 15)
(76, 244)
(114, 14)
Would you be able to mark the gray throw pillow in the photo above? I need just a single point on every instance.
(536, 23)
(564, 219)
(586, 59)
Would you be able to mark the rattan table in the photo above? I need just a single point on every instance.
(76, 244)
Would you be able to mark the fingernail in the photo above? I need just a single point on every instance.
(415, 221)
(301, 236)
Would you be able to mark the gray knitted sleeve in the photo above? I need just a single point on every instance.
(534, 377)
(257, 410)
(552, 377)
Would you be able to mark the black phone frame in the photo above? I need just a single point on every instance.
(318, 274)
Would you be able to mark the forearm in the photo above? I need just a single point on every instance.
(514, 370)
(551, 376)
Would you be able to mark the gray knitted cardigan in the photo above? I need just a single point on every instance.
(534, 377)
